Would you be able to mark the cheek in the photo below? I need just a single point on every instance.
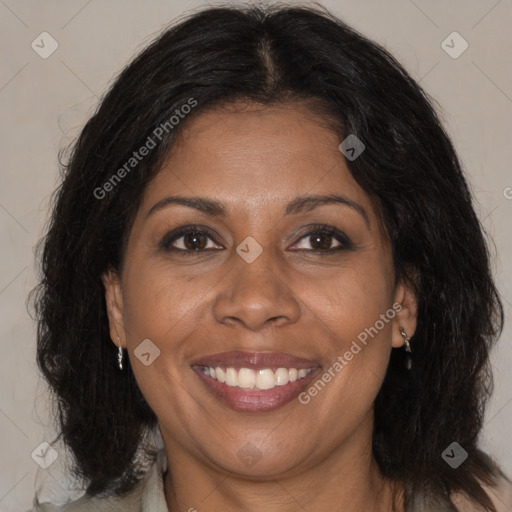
(352, 299)
(157, 299)
(158, 307)
(359, 346)
(355, 311)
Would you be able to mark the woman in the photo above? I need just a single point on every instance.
(265, 251)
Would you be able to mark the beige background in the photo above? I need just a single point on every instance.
(44, 102)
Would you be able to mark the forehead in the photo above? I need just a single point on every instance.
(255, 156)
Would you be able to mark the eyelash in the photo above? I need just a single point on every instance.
(317, 229)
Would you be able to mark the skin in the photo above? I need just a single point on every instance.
(314, 457)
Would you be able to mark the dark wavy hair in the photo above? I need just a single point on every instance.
(277, 55)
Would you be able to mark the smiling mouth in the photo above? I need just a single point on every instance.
(255, 390)
(250, 379)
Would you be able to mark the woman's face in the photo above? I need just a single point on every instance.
(275, 279)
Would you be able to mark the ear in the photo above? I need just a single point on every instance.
(406, 306)
(114, 301)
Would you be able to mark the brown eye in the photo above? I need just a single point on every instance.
(324, 240)
(195, 241)
(321, 241)
(189, 240)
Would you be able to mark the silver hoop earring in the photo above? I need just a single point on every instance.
(120, 354)
(407, 339)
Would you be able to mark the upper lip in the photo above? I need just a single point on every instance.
(255, 360)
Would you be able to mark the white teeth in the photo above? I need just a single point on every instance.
(246, 378)
(264, 378)
(231, 377)
(221, 374)
(301, 373)
(282, 376)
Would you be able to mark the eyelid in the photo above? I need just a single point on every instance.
(179, 232)
(345, 242)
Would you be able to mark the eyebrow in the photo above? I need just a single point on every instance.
(308, 203)
(298, 205)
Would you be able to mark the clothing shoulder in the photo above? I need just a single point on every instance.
(501, 497)
(147, 496)
(128, 503)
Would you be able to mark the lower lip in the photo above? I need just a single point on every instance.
(256, 400)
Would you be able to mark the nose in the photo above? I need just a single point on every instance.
(256, 295)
